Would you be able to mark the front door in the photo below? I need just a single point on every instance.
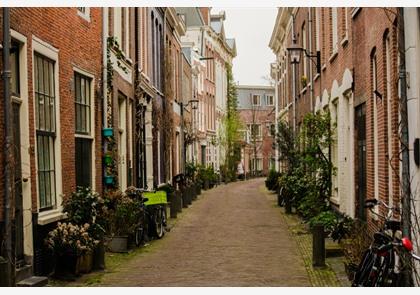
(18, 221)
(360, 122)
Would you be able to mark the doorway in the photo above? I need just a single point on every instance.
(360, 126)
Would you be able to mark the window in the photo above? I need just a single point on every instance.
(83, 145)
(256, 164)
(82, 9)
(45, 129)
(272, 129)
(317, 27)
(255, 129)
(375, 125)
(82, 103)
(334, 30)
(270, 100)
(304, 59)
(15, 74)
(389, 115)
(256, 100)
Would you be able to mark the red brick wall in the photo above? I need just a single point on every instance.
(79, 45)
(365, 31)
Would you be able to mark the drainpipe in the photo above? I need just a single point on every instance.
(294, 79)
(406, 192)
(8, 155)
(310, 64)
(104, 62)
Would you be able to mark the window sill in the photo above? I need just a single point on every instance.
(333, 56)
(316, 76)
(324, 66)
(304, 89)
(50, 216)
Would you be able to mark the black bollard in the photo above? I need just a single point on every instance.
(318, 246)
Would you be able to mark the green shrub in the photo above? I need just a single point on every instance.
(327, 218)
(272, 180)
(86, 206)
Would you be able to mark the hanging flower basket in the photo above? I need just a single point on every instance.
(108, 159)
(109, 179)
(107, 132)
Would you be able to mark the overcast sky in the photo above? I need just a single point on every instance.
(252, 28)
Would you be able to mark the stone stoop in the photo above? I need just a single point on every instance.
(23, 272)
(33, 281)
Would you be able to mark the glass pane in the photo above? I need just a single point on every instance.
(14, 63)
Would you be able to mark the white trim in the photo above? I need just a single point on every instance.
(85, 15)
(25, 143)
(51, 52)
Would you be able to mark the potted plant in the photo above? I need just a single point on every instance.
(85, 206)
(72, 248)
(123, 216)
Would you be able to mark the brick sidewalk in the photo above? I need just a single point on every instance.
(319, 277)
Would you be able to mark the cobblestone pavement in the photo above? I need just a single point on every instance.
(231, 236)
(319, 276)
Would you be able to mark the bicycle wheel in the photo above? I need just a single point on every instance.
(361, 277)
(158, 223)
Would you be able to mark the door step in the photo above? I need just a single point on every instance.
(33, 281)
(23, 272)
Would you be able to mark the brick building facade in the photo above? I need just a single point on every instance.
(257, 113)
(357, 84)
(56, 90)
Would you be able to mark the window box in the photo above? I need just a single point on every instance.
(108, 132)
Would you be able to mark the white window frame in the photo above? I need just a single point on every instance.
(91, 134)
(49, 51)
(334, 29)
(259, 99)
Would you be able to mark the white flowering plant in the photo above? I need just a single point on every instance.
(70, 239)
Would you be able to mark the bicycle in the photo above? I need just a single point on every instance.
(152, 218)
(142, 228)
(381, 265)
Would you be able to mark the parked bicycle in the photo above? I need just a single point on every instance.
(152, 217)
(382, 263)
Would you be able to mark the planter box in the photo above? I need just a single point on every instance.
(99, 257)
(86, 262)
(108, 132)
(109, 180)
(67, 267)
(118, 244)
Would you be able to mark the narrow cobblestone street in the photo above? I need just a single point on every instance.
(231, 236)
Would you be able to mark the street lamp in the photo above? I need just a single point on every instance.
(295, 52)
